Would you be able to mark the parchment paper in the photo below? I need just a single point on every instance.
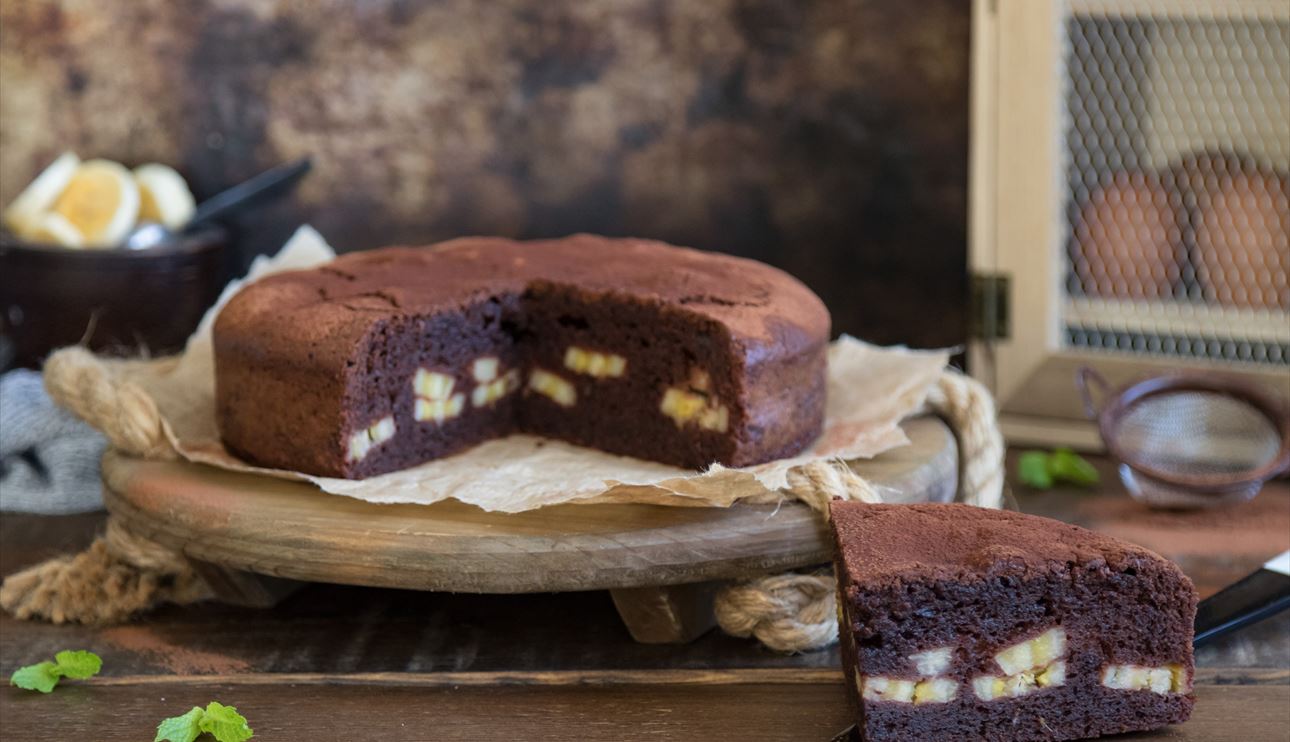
(871, 390)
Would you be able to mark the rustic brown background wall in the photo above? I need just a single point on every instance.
(828, 137)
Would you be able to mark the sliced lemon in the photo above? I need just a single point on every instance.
(101, 201)
(27, 209)
(52, 228)
(163, 196)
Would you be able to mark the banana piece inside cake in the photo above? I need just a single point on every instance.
(966, 623)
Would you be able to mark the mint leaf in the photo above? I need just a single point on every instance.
(1032, 470)
(42, 676)
(181, 728)
(78, 665)
(222, 722)
(1041, 470)
(225, 723)
(1067, 466)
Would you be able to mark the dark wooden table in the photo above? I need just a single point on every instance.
(346, 663)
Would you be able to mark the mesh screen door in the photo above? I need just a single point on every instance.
(1131, 179)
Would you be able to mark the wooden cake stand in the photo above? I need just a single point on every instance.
(255, 538)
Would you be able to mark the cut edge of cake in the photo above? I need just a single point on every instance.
(956, 620)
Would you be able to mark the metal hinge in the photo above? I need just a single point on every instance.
(991, 318)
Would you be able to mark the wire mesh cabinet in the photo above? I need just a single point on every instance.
(1130, 197)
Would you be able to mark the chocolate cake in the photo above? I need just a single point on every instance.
(384, 359)
(965, 623)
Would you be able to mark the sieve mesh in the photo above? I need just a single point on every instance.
(1189, 433)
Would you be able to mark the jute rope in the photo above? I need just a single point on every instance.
(118, 576)
(80, 382)
(798, 612)
(122, 574)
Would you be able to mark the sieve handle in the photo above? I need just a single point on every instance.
(1086, 378)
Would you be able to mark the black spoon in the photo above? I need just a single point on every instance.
(262, 187)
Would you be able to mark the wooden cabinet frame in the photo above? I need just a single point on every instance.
(1017, 207)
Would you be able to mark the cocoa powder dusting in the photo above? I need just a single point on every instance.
(177, 659)
(1259, 528)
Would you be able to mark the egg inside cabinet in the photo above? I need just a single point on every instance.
(1129, 198)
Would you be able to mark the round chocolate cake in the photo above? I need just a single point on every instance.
(384, 359)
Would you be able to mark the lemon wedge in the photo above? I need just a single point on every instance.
(101, 201)
(30, 206)
(52, 228)
(163, 196)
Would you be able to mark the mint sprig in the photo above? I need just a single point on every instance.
(222, 722)
(44, 676)
(1043, 469)
(183, 728)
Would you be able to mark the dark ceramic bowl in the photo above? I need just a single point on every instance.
(114, 300)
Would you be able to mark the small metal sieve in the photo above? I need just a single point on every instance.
(1190, 439)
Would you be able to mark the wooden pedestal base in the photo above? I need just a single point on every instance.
(254, 538)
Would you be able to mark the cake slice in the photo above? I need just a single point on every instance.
(964, 623)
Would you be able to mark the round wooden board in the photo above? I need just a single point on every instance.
(291, 529)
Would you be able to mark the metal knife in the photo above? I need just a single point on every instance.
(1259, 595)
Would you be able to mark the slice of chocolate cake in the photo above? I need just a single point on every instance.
(965, 623)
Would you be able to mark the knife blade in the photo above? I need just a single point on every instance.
(1257, 596)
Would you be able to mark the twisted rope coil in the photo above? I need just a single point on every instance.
(787, 612)
(119, 575)
(120, 409)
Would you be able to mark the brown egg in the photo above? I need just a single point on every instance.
(1127, 240)
(1242, 241)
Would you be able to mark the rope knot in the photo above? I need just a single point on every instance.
(118, 576)
(140, 552)
(787, 612)
(818, 482)
(126, 414)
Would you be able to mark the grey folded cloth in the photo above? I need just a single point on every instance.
(49, 459)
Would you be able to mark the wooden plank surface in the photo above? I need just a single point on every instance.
(1214, 547)
(352, 663)
(743, 705)
(340, 629)
(290, 529)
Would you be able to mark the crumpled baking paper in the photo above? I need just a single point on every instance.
(871, 390)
